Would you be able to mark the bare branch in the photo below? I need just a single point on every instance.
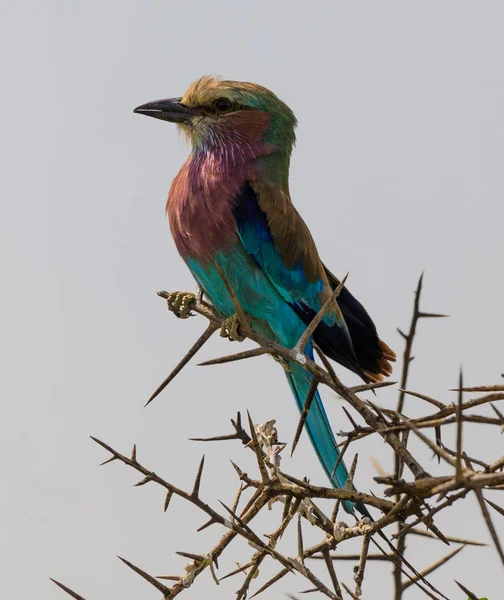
(434, 566)
(490, 525)
(450, 538)
(312, 390)
(152, 580)
(466, 591)
(410, 497)
(197, 481)
(67, 590)
(198, 344)
(458, 465)
(238, 356)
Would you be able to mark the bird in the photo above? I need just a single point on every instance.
(233, 222)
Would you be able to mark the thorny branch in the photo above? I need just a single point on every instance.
(405, 502)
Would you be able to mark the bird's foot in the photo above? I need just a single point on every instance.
(282, 362)
(230, 329)
(180, 304)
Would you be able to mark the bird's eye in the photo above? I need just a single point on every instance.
(223, 105)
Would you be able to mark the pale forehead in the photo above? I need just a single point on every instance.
(210, 87)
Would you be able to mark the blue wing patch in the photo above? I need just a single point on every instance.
(256, 237)
(292, 284)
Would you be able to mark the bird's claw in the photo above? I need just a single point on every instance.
(230, 329)
(179, 303)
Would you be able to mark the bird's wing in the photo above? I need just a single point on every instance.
(274, 234)
(373, 355)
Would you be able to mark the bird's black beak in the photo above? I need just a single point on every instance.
(168, 110)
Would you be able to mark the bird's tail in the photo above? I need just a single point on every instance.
(322, 438)
(319, 429)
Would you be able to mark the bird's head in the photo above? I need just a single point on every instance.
(216, 113)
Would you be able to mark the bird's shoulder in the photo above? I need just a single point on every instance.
(290, 234)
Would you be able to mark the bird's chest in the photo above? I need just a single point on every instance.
(200, 211)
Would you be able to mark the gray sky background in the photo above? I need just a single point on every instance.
(398, 168)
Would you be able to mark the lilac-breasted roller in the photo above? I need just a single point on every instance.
(230, 213)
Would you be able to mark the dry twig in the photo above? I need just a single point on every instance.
(405, 502)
